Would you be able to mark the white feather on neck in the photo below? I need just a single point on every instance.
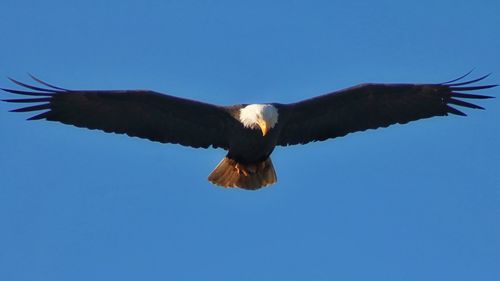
(250, 114)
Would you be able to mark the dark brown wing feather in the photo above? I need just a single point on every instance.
(371, 106)
(137, 113)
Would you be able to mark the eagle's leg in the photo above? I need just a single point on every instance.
(247, 169)
(241, 169)
(261, 166)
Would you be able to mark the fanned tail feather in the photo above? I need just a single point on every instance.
(229, 173)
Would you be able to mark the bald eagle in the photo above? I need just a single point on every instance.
(249, 132)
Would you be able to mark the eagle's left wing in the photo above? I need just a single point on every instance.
(371, 106)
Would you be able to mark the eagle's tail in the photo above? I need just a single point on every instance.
(230, 173)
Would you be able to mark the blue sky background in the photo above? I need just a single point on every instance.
(413, 202)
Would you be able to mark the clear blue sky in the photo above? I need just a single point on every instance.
(413, 202)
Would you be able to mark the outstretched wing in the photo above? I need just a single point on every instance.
(137, 113)
(371, 106)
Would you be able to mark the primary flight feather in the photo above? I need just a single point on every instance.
(249, 132)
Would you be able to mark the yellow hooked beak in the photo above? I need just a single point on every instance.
(263, 127)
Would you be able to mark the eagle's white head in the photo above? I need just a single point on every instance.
(259, 116)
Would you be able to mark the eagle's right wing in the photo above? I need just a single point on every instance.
(137, 113)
